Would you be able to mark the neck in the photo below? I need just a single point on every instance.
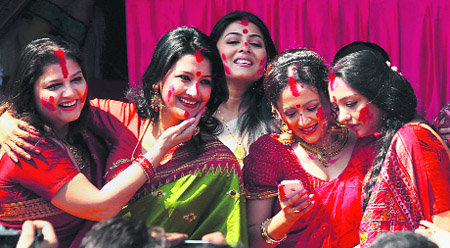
(236, 90)
(164, 122)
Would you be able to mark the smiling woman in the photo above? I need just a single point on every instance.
(324, 156)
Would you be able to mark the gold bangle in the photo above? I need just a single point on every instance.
(269, 240)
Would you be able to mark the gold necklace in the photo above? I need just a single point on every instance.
(77, 155)
(239, 151)
(323, 154)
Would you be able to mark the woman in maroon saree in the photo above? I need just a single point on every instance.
(328, 159)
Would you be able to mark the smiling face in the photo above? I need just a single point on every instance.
(302, 111)
(355, 111)
(60, 93)
(243, 51)
(185, 89)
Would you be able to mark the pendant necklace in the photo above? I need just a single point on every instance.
(239, 151)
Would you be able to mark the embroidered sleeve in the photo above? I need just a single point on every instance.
(262, 168)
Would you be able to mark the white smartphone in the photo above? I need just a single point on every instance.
(291, 187)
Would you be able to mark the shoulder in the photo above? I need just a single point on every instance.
(266, 143)
(214, 149)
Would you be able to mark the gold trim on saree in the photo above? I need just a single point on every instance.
(30, 209)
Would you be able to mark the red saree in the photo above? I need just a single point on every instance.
(413, 184)
(335, 217)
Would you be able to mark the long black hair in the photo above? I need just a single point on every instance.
(369, 75)
(170, 48)
(19, 93)
(258, 117)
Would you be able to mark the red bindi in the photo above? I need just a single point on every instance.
(198, 74)
(198, 56)
(48, 103)
(62, 62)
(245, 44)
(186, 115)
(245, 31)
(293, 86)
(297, 106)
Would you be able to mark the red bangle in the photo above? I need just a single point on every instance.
(145, 164)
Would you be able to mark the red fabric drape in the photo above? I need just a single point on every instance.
(415, 33)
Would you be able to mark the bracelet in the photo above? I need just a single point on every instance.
(269, 240)
(146, 166)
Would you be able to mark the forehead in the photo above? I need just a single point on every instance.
(189, 63)
(306, 92)
(340, 89)
(54, 71)
(238, 27)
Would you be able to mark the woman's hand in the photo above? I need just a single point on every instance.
(173, 136)
(216, 238)
(295, 206)
(15, 137)
(28, 235)
(436, 234)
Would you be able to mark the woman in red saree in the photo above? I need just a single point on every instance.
(411, 175)
(328, 159)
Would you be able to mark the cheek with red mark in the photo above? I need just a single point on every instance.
(293, 86)
(365, 115)
(245, 31)
(262, 66)
(224, 57)
(334, 99)
(170, 92)
(84, 96)
(186, 115)
(227, 69)
(48, 102)
(319, 113)
(198, 56)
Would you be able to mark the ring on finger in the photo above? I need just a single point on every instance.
(428, 232)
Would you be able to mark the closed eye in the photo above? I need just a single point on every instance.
(184, 77)
(351, 103)
(53, 86)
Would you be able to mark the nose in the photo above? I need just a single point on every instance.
(192, 90)
(303, 120)
(244, 47)
(68, 91)
(344, 117)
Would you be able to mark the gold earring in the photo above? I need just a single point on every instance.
(286, 137)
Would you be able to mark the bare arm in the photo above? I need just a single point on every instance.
(259, 210)
(80, 198)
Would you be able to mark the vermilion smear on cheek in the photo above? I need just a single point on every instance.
(227, 69)
(334, 99)
(224, 57)
(333, 85)
(245, 31)
(319, 113)
(262, 66)
(365, 115)
(244, 21)
(62, 62)
(83, 98)
(198, 56)
(186, 115)
(293, 86)
(169, 93)
(198, 74)
(48, 102)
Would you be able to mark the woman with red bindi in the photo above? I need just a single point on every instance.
(194, 179)
(246, 47)
(327, 158)
(411, 175)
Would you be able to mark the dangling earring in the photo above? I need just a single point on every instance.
(286, 137)
(156, 102)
